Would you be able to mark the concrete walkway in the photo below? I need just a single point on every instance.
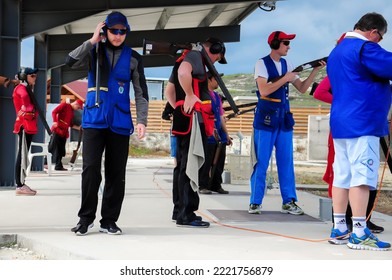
(42, 223)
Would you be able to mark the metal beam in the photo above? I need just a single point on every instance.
(40, 16)
(244, 14)
(165, 16)
(55, 85)
(60, 45)
(10, 46)
(33, 6)
(40, 92)
(212, 15)
(45, 21)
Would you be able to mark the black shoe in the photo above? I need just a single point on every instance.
(194, 224)
(222, 191)
(60, 169)
(374, 228)
(205, 191)
(81, 229)
(111, 228)
(194, 217)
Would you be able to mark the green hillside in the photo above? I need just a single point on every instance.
(244, 85)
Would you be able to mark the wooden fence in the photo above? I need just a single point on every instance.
(241, 123)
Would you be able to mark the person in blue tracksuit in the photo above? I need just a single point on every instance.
(273, 123)
(107, 122)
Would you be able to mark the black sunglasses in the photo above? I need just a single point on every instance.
(118, 31)
(286, 43)
(379, 34)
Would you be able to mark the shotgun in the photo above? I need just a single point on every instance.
(218, 78)
(40, 112)
(75, 152)
(4, 81)
(241, 106)
(97, 77)
(232, 115)
(154, 47)
(305, 66)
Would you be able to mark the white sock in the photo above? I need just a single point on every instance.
(359, 225)
(339, 222)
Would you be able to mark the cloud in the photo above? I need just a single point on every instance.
(317, 24)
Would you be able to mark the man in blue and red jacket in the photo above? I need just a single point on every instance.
(359, 70)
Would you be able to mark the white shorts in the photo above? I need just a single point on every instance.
(356, 162)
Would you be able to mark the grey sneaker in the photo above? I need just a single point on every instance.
(292, 208)
(254, 209)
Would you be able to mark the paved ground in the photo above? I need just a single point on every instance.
(42, 223)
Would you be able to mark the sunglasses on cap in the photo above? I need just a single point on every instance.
(118, 31)
(286, 43)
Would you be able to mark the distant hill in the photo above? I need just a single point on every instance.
(244, 85)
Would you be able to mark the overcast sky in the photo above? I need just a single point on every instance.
(317, 24)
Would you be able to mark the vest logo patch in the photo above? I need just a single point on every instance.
(267, 120)
(121, 87)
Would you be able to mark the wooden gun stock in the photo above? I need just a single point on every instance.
(154, 47)
(74, 156)
(76, 151)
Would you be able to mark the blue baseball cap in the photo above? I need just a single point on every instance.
(117, 18)
(29, 71)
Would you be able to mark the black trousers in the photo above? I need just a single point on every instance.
(185, 199)
(58, 150)
(176, 198)
(210, 173)
(116, 147)
(18, 162)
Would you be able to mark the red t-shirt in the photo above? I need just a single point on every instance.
(63, 115)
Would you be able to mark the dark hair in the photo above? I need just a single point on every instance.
(371, 21)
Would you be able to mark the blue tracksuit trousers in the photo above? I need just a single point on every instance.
(264, 141)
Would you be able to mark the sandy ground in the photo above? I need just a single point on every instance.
(15, 253)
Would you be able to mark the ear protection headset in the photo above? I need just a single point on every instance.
(22, 74)
(217, 47)
(275, 43)
(104, 29)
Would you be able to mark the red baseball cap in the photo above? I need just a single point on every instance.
(281, 36)
(80, 102)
